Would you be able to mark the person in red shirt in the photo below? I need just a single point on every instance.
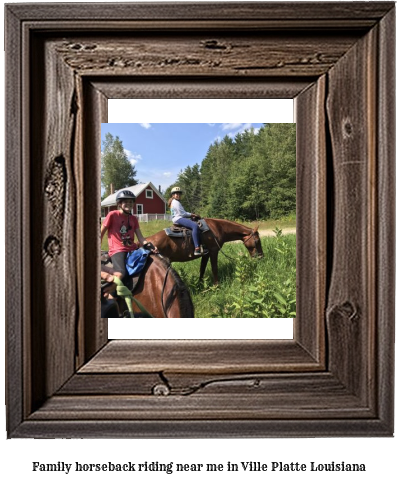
(122, 226)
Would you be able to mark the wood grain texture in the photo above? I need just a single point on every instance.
(53, 240)
(192, 428)
(335, 377)
(95, 329)
(200, 356)
(359, 13)
(385, 260)
(15, 255)
(134, 87)
(238, 55)
(351, 306)
(311, 219)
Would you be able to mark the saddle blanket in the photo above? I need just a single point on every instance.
(176, 232)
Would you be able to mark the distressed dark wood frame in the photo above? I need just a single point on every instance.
(336, 376)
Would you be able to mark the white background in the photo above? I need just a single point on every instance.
(379, 454)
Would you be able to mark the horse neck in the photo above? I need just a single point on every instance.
(232, 231)
(176, 297)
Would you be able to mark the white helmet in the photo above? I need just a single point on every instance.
(176, 189)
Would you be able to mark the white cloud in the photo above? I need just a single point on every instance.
(232, 126)
(167, 174)
(146, 125)
(133, 158)
(237, 128)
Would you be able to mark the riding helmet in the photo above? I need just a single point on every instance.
(125, 194)
(176, 189)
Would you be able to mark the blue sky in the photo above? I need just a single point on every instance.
(159, 151)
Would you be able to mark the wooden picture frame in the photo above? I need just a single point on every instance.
(335, 378)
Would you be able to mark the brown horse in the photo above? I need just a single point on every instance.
(159, 290)
(220, 231)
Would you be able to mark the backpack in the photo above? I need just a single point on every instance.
(135, 261)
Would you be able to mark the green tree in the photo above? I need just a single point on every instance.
(116, 168)
(189, 181)
(280, 168)
(207, 175)
(252, 177)
(216, 172)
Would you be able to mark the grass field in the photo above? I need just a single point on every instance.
(248, 288)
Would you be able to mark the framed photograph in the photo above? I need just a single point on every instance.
(65, 379)
(256, 292)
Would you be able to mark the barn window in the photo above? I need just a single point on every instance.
(149, 193)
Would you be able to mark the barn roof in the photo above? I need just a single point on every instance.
(136, 190)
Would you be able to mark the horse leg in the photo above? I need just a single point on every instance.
(204, 262)
(214, 264)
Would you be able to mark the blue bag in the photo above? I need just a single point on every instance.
(135, 261)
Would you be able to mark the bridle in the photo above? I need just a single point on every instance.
(251, 235)
(255, 236)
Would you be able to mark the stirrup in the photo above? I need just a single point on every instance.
(201, 251)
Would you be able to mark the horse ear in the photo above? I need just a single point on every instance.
(256, 228)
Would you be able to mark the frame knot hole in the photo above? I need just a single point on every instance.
(161, 390)
(51, 249)
(54, 186)
(213, 44)
(346, 310)
(347, 128)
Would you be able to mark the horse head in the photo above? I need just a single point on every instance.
(253, 244)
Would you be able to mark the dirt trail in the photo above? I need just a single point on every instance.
(270, 233)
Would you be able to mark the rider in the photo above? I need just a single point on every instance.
(181, 217)
(121, 226)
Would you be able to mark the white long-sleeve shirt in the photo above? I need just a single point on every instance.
(178, 211)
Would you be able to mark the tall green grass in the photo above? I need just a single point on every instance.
(248, 288)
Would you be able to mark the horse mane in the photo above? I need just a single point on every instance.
(186, 304)
(223, 220)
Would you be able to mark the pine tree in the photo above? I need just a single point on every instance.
(189, 180)
(281, 156)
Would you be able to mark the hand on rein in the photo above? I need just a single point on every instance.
(151, 247)
(106, 276)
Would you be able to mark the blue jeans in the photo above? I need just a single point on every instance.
(185, 222)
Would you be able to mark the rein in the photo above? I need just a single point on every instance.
(163, 290)
(244, 240)
(220, 248)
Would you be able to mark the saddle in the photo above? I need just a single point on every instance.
(131, 281)
(178, 231)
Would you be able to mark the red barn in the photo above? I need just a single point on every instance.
(149, 202)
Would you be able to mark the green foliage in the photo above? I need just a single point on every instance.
(249, 288)
(116, 168)
(252, 177)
